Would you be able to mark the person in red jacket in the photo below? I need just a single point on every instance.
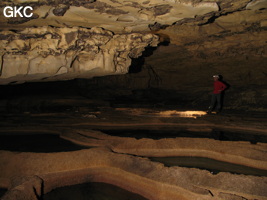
(216, 95)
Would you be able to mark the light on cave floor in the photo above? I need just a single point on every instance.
(189, 114)
(167, 113)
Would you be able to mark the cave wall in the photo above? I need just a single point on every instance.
(65, 53)
(175, 76)
(232, 45)
(69, 39)
(85, 39)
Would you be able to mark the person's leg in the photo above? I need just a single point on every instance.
(213, 102)
(219, 105)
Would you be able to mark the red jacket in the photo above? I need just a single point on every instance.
(218, 87)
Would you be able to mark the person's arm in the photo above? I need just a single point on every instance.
(223, 87)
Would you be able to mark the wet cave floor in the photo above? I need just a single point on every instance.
(118, 131)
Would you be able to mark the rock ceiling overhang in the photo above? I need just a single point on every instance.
(122, 16)
(52, 44)
(116, 16)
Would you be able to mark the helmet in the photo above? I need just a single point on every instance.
(215, 76)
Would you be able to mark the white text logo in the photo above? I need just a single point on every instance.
(17, 11)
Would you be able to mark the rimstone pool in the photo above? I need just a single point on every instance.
(94, 191)
(75, 159)
(107, 99)
(138, 153)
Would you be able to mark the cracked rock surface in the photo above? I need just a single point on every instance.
(207, 30)
(61, 53)
(117, 16)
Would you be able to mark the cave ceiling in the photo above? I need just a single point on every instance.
(87, 38)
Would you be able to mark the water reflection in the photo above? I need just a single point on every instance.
(2, 191)
(41, 143)
(214, 166)
(166, 113)
(92, 191)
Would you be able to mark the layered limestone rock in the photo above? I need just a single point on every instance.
(117, 16)
(64, 53)
(207, 30)
(68, 52)
(239, 33)
(124, 16)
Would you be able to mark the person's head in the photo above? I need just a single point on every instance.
(215, 77)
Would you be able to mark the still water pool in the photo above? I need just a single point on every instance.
(91, 191)
(41, 143)
(214, 166)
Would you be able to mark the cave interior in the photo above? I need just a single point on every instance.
(107, 99)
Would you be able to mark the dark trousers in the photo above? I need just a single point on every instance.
(216, 100)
